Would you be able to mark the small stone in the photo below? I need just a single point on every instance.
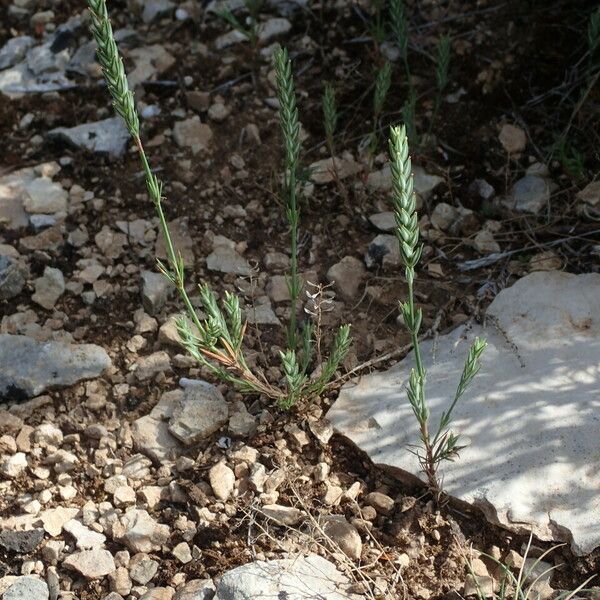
(198, 101)
(152, 437)
(49, 288)
(32, 367)
(182, 553)
(242, 423)
(109, 136)
(226, 259)
(443, 216)
(222, 480)
(27, 588)
(14, 465)
(22, 542)
(155, 9)
(296, 578)
(92, 564)
(124, 496)
(193, 134)
(142, 568)
(276, 261)
(343, 536)
(140, 532)
(545, 261)
(347, 277)
(54, 519)
(199, 413)
(485, 243)
(480, 188)
(156, 289)
(85, 538)
(512, 138)
(283, 515)
(15, 50)
(529, 194)
(13, 276)
(324, 171)
(196, 589)
(218, 112)
(382, 503)
(272, 28)
(383, 251)
(148, 366)
(590, 194)
(45, 196)
(120, 581)
(182, 240)
(384, 221)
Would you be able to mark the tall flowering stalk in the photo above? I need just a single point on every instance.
(290, 128)
(443, 444)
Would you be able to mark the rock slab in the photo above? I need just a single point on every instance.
(29, 367)
(304, 578)
(531, 417)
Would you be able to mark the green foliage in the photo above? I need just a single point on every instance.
(250, 31)
(443, 445)
(382, 87)
(399, 26)
(571, 160)
(442, 64)
(217, 341)
(290, 129)
(383, 80)
(593, 32)
(330, 115)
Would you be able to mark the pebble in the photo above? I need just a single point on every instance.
(45, 196)
(13, 466)
(485, 243)
(347, 277)
(222, 480)
(140, 532)
(92, 564)
(85, 538)
(283, 515)
(27, 588)
(13, 275)
(22, 542)
(182, 553)
(344, 536)
(512, 138)
(191, 133)
(156, 289)
(382, 503)
(198, 413)
(49, 288)
(142, 568)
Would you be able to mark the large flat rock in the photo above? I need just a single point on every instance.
(531, 418)
(29, 367)
(301, 578)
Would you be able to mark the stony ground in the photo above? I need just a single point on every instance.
(122, 474)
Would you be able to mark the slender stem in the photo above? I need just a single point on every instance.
(295, 287)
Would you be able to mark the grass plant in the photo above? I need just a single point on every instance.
(216, 341)
(249, 30)
(522, 585)
(440, 444)
(383, 81)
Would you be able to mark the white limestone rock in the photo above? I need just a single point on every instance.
(530, 419)
(300, 578)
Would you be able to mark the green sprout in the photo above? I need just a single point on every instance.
(443, 444)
